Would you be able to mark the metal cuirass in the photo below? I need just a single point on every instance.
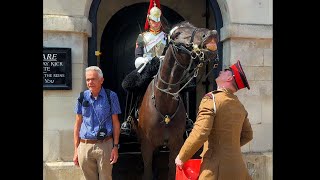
(154, 43)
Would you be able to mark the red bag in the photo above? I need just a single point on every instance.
(189, 171)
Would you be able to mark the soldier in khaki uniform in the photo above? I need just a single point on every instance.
(222, 126)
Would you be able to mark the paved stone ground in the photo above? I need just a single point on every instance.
(130, 163)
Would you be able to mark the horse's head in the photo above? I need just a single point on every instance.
(200, 43)
(190, 47)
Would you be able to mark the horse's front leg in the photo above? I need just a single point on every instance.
(147, 154)
(174, 150)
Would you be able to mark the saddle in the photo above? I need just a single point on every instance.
(136, 84)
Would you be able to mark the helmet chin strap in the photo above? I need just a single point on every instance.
(155, 30)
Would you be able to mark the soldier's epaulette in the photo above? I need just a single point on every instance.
(140, 37)
(210, 93)
(140, 40)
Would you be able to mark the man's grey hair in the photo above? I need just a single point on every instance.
(95, 68)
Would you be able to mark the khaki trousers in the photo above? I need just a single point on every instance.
(94, 160)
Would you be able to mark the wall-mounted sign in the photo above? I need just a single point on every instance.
(57, 68)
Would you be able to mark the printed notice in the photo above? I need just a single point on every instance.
(57, 68)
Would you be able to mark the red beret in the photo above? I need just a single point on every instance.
(239, 75)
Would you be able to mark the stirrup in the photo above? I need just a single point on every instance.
(126, 126)
(136, 113)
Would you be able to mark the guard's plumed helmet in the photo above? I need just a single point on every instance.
(154, 12)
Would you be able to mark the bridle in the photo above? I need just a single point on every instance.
(194, 52)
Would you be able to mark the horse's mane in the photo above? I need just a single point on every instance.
(184, 24)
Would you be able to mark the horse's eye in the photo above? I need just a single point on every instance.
(175, 35)
(203, 35)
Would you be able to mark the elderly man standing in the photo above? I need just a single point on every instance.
(97, 128)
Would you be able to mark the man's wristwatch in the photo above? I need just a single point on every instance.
(116, 145)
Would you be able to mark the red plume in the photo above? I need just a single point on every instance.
(146, 25)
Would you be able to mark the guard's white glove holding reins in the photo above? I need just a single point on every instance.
(141, 63)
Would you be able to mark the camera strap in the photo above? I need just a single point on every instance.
(110, 106)
(81, 97)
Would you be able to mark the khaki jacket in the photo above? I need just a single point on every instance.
(221, 134)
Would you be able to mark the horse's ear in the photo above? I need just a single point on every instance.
(216, 38)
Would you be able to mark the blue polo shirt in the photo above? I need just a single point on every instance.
(95, 111)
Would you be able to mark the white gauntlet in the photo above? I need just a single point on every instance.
(141, 61)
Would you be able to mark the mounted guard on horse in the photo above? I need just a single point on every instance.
(150, 48)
